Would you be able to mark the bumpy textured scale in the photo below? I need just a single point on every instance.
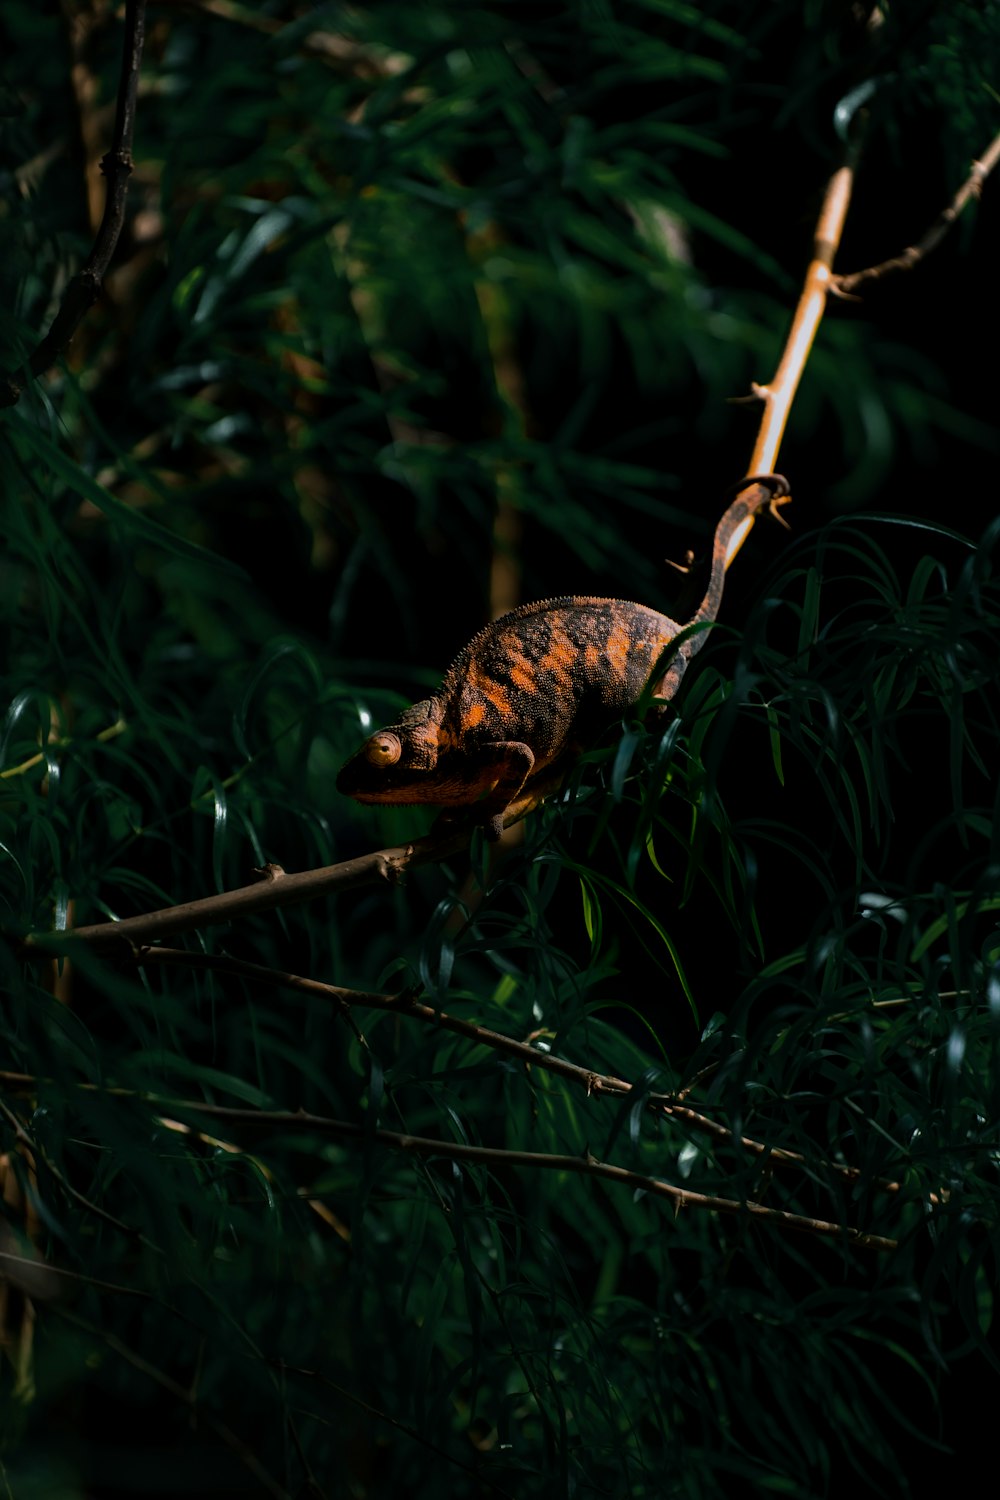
(532, 689)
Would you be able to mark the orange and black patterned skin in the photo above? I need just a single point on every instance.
(531, 690)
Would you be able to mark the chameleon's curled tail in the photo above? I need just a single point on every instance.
(754, 493)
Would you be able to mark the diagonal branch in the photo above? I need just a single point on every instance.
(277, 1121)
(779, 393)
(278, 889)
(602, 1084)
(274, 888)
(914, 254)
(84, 288)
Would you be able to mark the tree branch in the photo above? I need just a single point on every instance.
(388, 864)
(276, 1121)
(914, 254)
(273, 889)
(84, 288)
(779, 393)
(531, 1056)
(602, 1084)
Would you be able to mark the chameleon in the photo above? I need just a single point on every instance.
(533, 688)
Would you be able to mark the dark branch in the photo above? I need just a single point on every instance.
(601, 1084)
(275, 1122)
(914, 254)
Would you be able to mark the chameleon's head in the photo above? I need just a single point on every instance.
(397, 763)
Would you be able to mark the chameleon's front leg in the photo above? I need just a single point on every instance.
(510, 763)
(497, 771)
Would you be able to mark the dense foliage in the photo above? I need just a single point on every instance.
(421, 308)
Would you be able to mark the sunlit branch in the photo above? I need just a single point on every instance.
(274, 888)
(779, 393)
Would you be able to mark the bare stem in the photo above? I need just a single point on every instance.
(779, 393)
(602, 1084)
(531, 1056)
(914, 254)
(274, 1122)
(277, 1121)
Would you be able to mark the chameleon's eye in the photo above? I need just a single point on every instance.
(382, 750)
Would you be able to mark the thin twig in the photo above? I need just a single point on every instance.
(102, 737)
(25, 1263)
(594, 1083)
(84, 288)
(914, 254)
(67, 1187)
(276, 1121)
(272, 1121)
(326, 45)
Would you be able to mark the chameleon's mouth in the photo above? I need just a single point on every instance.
(452, 791)
(382, 799)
